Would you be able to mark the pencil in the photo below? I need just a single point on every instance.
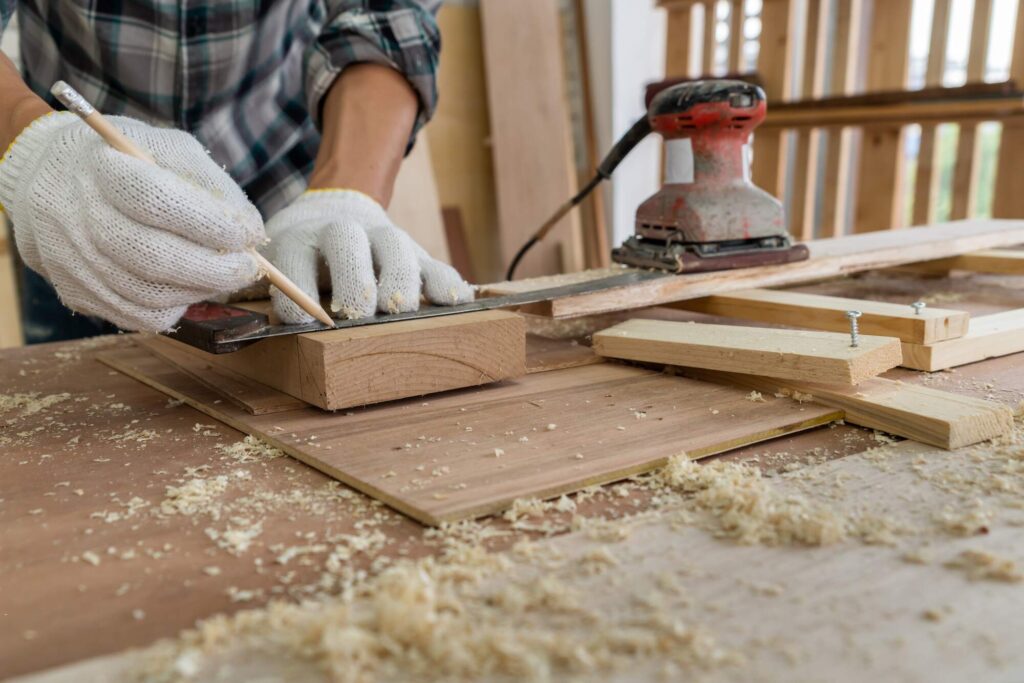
(78, 105)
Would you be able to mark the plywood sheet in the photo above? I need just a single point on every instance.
(471, 453)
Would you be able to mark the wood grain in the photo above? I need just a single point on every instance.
(473, 452)
(362, 365)
(990, 336)
(828, 258)
(789, 354)
(993, 262)
(530, 132)
(819, 312)
(938, 418)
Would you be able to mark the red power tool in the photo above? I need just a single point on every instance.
(708, 215)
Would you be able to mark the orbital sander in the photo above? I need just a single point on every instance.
(708, 215)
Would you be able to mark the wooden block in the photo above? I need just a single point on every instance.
(363, 365)
(829, 313)
(914, 412)
(492, 445)
(255, 397)
(992, 262)
(790, 354)
(990, 336)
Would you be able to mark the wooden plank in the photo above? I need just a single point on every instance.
(819, 312)
(709, 43)
(472, 453)
(363, 365)
(990, 336)
(460, 136)
(736, 17)
(803, 192)
(679, 43)
(926, 184)
(530, 132)
(458, 246)
(993, 262)
(880, 180)
(10, 305)
(968, 163)
(787, 354)
(828, 258)
(1008, 200)
(914, 412)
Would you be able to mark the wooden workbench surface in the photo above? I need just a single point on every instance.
(99, 554)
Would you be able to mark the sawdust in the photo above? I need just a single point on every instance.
(30, 403)
(981, 565)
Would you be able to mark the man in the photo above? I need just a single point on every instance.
(306, 108)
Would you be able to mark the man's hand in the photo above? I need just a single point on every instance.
(356, 239)
(122, 239)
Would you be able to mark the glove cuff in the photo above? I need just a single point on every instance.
(26, 153)
(322, 205)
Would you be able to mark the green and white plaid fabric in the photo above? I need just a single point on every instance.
(244, 76)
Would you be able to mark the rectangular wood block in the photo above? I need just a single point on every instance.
(363, 365)
(788, 354)
(990, 336)
(819, 312)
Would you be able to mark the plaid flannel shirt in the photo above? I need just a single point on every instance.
(246, 77)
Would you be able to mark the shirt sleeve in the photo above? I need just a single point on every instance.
(6, 12)
(402, 34)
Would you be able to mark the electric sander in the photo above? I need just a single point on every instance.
(708, 215)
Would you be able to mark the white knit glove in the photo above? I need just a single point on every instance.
(353, 234)
(121, 238)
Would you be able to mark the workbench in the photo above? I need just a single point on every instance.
(95, 561)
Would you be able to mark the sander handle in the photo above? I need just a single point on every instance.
(639, 130)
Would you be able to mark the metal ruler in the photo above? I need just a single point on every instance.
(221, 328)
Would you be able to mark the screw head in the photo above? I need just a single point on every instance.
(918, 306)
(853, 315)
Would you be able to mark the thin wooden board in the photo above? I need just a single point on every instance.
(992, 261)
(801, 355)
(10, 307)
(990, 336)
(828, 258)
(829, 313)
(436, 461)
(934, 417)
(531, 136)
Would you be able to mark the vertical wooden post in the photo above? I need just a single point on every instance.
(710, 42)
(679, 44)
(965, 173)
(736, 18)
(926, 184)
(775, 65)
(846, 62)
(803, 193)
(1008, 201)
(879, 204)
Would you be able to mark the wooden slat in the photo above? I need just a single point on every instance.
(1008, 200)
(990, 336)
(736, 18)
(679, 41)
(801, 355)
(982, 109)
(530, 132)
(915, 412)
(993, 262)
(10, 306)
(926, 184)
(880, 179)
(839, 143)
(364, 365)
(709, 42)
(472, 453)
(965, 171)
(805, 158)
(828, 258)
(819, 312)
(775, 65)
